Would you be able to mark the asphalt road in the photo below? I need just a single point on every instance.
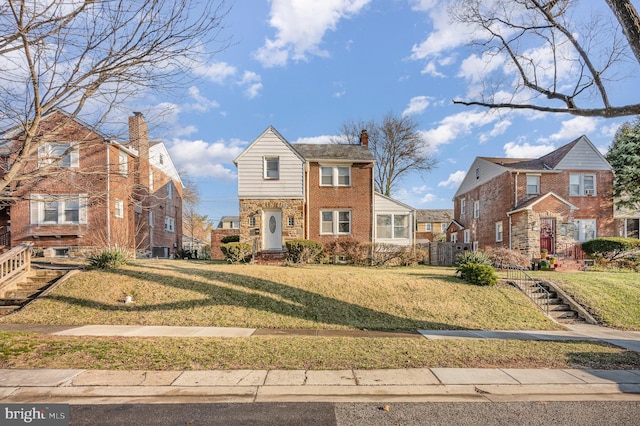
(618, 413)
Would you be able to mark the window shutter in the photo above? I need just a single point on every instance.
(35, 209)
(75, 156)
(83, 201)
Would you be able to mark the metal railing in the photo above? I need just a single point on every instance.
(15, 261)
(531, 287)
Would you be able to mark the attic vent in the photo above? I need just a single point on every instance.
(477, 172)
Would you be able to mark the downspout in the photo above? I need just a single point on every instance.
(109, 194)
(305, 171)
(515, 191)
(510, 239)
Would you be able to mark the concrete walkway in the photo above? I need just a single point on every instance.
(391, 385)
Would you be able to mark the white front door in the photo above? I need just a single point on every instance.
(272, 230)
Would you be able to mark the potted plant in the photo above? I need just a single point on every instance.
(544, 265)
(543, 253)
(552, 261)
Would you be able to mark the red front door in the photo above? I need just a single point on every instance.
(547, 234)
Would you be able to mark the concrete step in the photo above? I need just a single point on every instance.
(6, 310)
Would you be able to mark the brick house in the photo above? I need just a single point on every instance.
(432, 224)
(86, 191)
(529, 204)
(319, 192)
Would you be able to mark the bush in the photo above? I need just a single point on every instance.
(108, 259)
(348, 250)
(503, 257)
(236, 252)
(303, 251)
(611, 248)
(230, 239)
(478, 274)
(478, 257)
(393, 255)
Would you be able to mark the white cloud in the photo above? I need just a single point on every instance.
(497, 130)
(609, 131)
(575, 127)
(217, 72)
(526, 150)
(199, 158)
(476, 68)
(420, 189)
(322, 139)
(427, 198)
(431, 69)
(454, 179)
(252, 83)
(447, 35)
(417, 105)
(458, 124)
(202, 104)
(300, 27)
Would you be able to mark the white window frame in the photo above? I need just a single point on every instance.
(291, 221)
(252, 221)
(467, 236)
(52, 153)
(579, 188)
(170, 190)
(334, 175)
(119, 208)
(169, 224)
(337, 218)
(123, 163)
(475, 246)
(463, 206)
(397, 228)
(533, 184)
(476, 209)
(443, 227)
(275, 174)
(428, 227)
(151, 179)
(61, 201)
(454, 237)
(499, 232)
(585, 229)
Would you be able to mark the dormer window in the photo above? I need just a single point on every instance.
(271, 168)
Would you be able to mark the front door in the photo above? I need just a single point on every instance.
(547, 234)
(272, 230)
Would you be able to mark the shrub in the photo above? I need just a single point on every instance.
(303, 251)
(478, 257)
(348, 250)
(236, 252)
(611, 248)
(478, 274)
(108, 259)
(393, 255)
(230, 239)
(503, 257)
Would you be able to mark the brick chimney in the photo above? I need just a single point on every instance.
(139, 140)
(364, 138)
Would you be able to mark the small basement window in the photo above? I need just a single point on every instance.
(61, 251)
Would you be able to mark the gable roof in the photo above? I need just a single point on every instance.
(345, 152)
(528, 205)
(272, 130)
(434, 215)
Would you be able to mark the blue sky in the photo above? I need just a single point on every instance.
(305, 67)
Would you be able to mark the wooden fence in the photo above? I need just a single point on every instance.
(443, 254)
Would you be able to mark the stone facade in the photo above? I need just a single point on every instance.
(251, 210)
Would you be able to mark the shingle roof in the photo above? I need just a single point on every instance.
(546, 162)
(310, 152)
(434, 216)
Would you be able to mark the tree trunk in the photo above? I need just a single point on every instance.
(629, 21)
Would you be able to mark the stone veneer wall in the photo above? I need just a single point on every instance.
(254, 208)
(527, 240)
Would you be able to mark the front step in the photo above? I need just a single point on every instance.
(29, 290)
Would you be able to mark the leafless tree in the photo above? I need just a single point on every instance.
(397, 145)
(88, 57)
(553, 61)
(195, 225)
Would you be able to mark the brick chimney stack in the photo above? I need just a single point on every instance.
(139, 140)
(364, 138)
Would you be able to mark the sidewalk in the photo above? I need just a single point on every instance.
(392, 385)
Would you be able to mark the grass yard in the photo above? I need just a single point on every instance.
(25, 350)
(611, 297)
(184, 293)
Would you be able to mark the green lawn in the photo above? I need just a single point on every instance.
(611, 297)
(318, 296)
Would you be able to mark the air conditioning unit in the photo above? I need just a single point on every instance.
(589, 192)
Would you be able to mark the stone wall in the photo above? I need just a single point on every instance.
(292, 212)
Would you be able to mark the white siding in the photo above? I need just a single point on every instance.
(583, 156)
(385, 206)
(488, 171)
(251, 181)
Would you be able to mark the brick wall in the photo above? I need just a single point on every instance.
(357, 198)
(216, 236)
